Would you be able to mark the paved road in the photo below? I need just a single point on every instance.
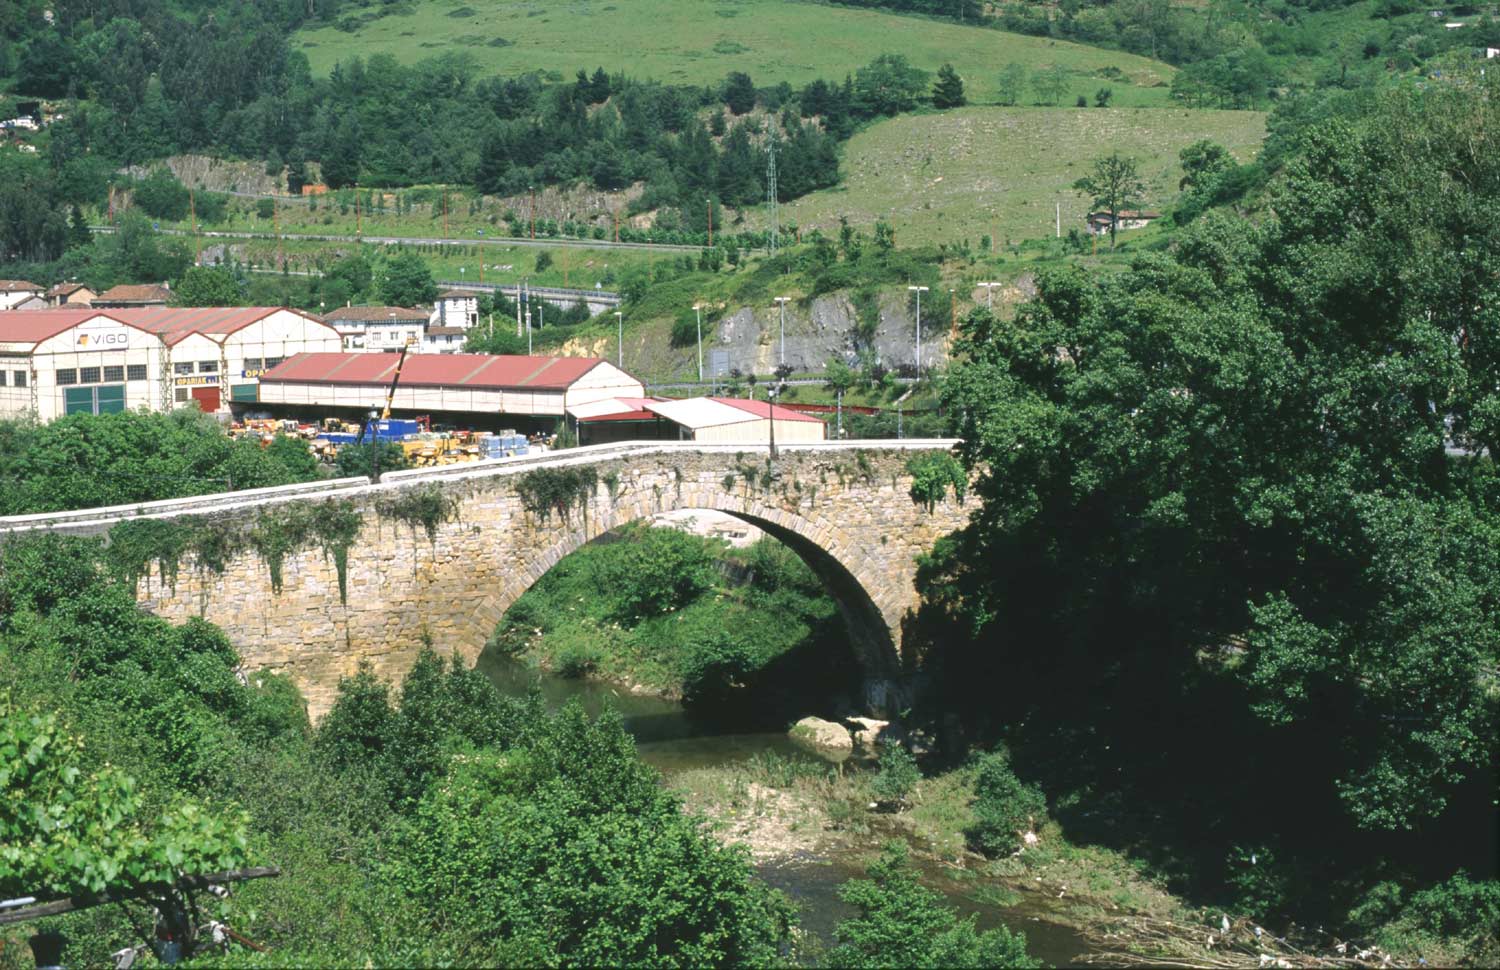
(428, 240)
(545, 292)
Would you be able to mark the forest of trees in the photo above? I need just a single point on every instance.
(1244, 494)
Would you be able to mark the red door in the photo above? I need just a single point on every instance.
(207, 398)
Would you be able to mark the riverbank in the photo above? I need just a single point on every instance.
(808, 823)
(787, 810)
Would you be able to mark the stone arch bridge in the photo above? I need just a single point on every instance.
(845, 507)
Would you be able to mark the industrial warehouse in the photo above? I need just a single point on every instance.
(98, 361)
(475, 389)
(706, 419)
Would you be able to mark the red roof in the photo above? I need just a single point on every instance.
(762, 409)
(481, 371)
(136, 293)
(18, 286)
(173, 324)
(34, 326)
(622, 416)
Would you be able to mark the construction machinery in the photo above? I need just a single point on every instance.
(390, 396)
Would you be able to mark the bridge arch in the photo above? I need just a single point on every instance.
(815, 539)
(845, 507)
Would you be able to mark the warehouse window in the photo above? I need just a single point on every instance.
(182, 367)
(2, 378)
(88, 375)
(67, 376)
(208, 367)
(181, 395)
(135, 372)
(20, 377)
(273, 362)
(254, 363)
(113, 375)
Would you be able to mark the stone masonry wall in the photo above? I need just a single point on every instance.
(849, 512)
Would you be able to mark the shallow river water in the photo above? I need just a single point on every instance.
(671, 740)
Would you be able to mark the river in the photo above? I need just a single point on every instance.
(671, 740)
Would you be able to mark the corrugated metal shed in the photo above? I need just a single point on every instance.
(612, 405)
(712, 412)
(174, 324)
(763, 409)
(478, 371)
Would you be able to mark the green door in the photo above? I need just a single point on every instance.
(78, 400)
(111, 399)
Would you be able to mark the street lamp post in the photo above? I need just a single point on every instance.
(989, 294)
(528, 331)
(620, 340)
(374, 446)
(919, 290)
(781, 301)
(698, 309)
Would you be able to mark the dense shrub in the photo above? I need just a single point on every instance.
(1004, 806)
(657, 571)
(901, 923)
(898, 774)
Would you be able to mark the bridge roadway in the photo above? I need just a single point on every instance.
(845, 507)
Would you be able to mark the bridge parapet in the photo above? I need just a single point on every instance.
(845, 507)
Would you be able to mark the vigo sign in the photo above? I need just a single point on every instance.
(102, 336)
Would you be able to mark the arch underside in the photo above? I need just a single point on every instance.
(871, 636)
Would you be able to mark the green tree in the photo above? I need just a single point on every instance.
(948, 90)
(296, 172)
(739, 92)
(354, 460)
(572, 854)
(407, 282)
(1275, 457)
(898, 774)
(1050, 83)
(208, 286)
(161, 196)
(1202, 163)
(839, 378)
(1012, 85)
(341, 161)
(901, 923)
(1113, 186)
(1005, 808)
(71, 828)
(889, 85)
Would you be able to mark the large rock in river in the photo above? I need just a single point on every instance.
(825, 735)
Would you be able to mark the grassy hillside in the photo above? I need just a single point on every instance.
(998, 171)
(698, 42)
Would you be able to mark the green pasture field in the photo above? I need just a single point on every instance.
(949, 176)
(575, 268)
(700, 41)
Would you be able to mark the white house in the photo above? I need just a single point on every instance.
(15, 292)
(456, 308)
(377, 328)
